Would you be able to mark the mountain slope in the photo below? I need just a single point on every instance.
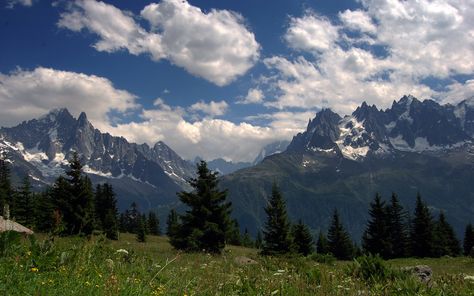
(41, 148)
(342, 162)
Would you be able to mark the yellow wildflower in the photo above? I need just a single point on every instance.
(34, 269)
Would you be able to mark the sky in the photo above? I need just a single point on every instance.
(223, 78)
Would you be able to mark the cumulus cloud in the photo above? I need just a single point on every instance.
(311, 32)
(357, 20)
(212, 108)
(208, 138)
(254, 96)
(419, 39)
(216, 46)
(28, 94)
(12, 3)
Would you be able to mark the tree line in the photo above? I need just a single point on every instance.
(71, 206)
(391, 232)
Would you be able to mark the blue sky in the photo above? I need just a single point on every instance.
(223, 78)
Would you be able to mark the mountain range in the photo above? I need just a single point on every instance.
(341, 162)
(337, 162)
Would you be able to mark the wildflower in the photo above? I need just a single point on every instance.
(88, 283)
(122, 251)
(34, 269)
(469, 277)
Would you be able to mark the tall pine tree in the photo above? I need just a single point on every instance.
(205, 225)
(24, 204)
(6, 191)
(153, 224)
(172, 225)
(397, 228)
(339, 241)
(468, 244)
(376, 236)
(422, 232)
(302, 239)
(446, 242)
(276, 235)
(322, 245)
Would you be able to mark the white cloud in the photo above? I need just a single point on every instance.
(212, 108)
(422, 39)
(208, 138)
(254, 96)
(311, 33)
(13, 3)
(28, 94)
(357, 20)
(216, 46)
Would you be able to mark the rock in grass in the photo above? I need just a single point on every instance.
(423, 272)
(242, 260)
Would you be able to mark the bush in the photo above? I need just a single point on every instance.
(323, 258)
(371, 269)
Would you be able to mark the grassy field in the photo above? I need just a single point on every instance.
(77, 266)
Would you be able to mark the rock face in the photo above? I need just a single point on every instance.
(341, 162)
(422, 272)
(41, 148)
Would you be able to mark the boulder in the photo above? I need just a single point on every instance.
(242, 260)
(423, 272)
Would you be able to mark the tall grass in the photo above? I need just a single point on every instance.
(96, 266)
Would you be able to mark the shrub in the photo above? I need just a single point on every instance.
(371, 269)
(323, 258)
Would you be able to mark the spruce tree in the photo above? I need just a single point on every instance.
(422, 234)
(468, 243)
(397, 228)
(64, 217)
(81, 198)
(445, 242)
(258, 240)
(153, 224)
(340, 244)
(376, 236)
(233, 233)
(276, 235)
(6, 191)
(205, 224)
(24, 204)
(322, 245)
(43, 212)
(141, 231)
(107, 215)
(172, 225)
(302, 239)
(247, 240)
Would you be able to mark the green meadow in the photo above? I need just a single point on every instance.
(96, 266)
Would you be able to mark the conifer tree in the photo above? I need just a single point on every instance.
(422, 235)
(302, 239)
(247, 240)
(172, 225)
(6, 191)
(107, 214)
(233, 233)
(376, 236)
(322, 246)
(205, 225)
(141, 231)
(397, 228)
(468, 243)
(276, 235)
(64, 217)
(153, 224)
(24, 204)
(445, 242)
(43, 212)
(258, 240)
(340, 244)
